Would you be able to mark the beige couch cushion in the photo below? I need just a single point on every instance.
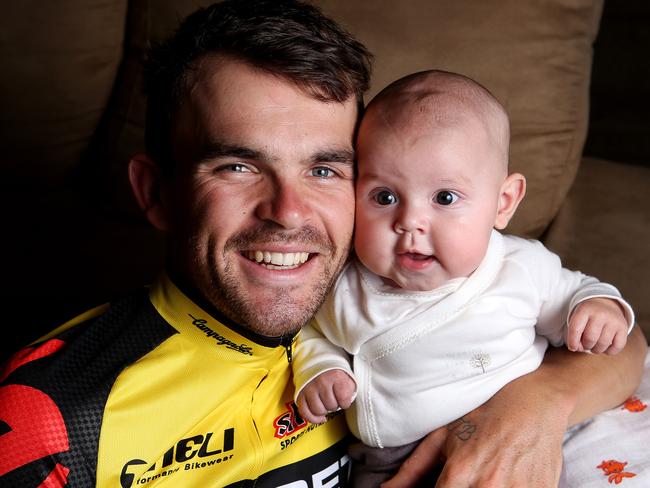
(534, 56)
(122, 135)
(603, 229)
(59, 62)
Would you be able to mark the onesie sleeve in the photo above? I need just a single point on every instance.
(314, 355)
(561, 290)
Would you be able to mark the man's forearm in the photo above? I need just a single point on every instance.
(525, 421)
(594, 383)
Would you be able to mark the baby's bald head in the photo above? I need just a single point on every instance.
(439, 99)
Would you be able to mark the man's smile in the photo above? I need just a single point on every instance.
(277, 260)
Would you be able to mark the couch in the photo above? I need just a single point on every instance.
(72, 113)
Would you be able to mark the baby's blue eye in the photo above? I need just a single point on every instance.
(445, 197)
(385, 197)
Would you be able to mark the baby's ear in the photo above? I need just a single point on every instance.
(512, 192)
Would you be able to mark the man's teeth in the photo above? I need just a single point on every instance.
(278, 258)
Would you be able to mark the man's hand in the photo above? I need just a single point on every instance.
(328, 392)
(597, 325)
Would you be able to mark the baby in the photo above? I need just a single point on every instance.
(439, 310)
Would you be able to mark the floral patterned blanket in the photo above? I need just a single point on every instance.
(612, 448)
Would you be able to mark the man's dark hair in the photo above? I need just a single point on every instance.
(285, 37)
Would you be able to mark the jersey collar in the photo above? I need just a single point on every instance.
(202, 323)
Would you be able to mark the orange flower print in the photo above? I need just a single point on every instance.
(614, 471)
(633, 404)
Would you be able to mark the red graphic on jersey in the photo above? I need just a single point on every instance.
(29, 354)
(58, 478)
(20, 406)
(289, 422)
(633, 404)
(614, 471)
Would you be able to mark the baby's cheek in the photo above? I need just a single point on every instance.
(373, 249)
(471, 257)
(363, 231)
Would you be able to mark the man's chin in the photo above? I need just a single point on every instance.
(275, 303)
(277, 316)
(264, 309)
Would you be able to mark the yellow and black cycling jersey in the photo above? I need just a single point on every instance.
(154, 391)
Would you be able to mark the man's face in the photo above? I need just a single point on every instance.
(262, 202)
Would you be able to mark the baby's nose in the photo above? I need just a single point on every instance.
(411, 220)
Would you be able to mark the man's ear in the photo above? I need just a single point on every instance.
(512, 192)
(146, 183)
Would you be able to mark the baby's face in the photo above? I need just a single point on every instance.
(426, 200)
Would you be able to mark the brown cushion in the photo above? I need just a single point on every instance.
(603, 229)
(534, 56)
(59, 62)
(122, 135)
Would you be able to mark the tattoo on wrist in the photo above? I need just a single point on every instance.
(462, 428)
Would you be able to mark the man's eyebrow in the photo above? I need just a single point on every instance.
(215, 150)
(345, 156)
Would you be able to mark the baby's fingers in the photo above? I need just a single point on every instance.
(591, 335)
(618, 343)
(577, 325)
(311, 407)
(344, 391)
(605, 339)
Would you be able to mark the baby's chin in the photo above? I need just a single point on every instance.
(412, 285)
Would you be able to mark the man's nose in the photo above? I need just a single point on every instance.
(285, 204)
(411, 218)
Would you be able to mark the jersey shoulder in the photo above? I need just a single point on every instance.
(53, 392)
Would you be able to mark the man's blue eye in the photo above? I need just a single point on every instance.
(236, 168)
(322, 172)
(445, 197)
(385, 197)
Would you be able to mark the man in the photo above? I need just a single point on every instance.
(249, 170)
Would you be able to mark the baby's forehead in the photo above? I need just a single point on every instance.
(422, 107)
(422, 104)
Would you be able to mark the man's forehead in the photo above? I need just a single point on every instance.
(226, 78)
(266, 125)
(224, 83)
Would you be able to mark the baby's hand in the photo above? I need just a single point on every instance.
(597, 325)
(328, 392)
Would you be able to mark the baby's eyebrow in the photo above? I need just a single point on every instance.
(455, 180)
